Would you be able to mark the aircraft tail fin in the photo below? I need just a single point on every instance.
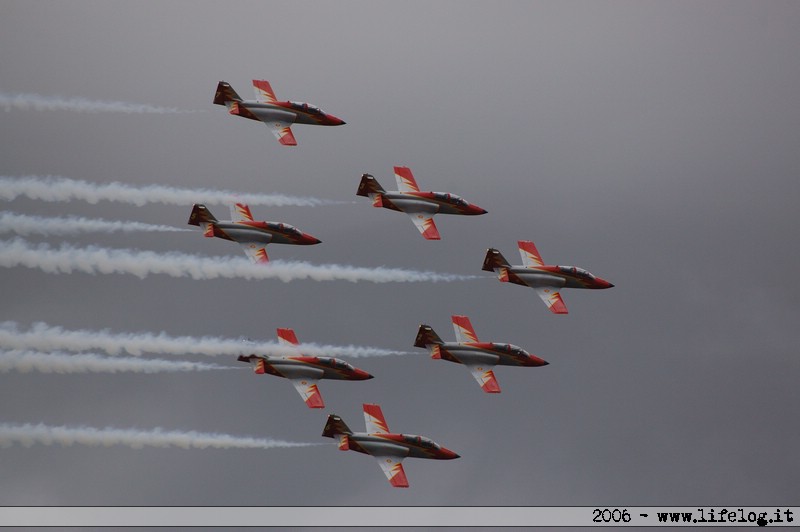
(427, 336)
(369, 186)
(335, 426)
(225, 94)
(201, 215)
(494, 261)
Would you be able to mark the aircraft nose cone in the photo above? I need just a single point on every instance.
(447, 454)
(308, 239)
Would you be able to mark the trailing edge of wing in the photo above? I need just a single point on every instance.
(308, 390)
(485, 377)
(374, 420)
(464, 330)
(282, 132)
(424, 222)
(405, 180)
(552, 298)
(255, 250)
(393, 469)
(530, 255)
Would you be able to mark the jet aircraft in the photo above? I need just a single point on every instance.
(278, 116)
(251, 235)
(479, 357)
(304, 371)
(388, 448)
(420, 206)
(546, 280)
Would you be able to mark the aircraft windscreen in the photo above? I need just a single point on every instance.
(302, 106)
(579, 272)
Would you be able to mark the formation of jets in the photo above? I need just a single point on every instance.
(278, 116)
(304, 372)
(420, 206)
(253, 236)
(478, 357)
(388, 448)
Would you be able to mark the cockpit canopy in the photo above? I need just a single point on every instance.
(578, 272)
(421, 441)
(284, 228)
(452, 198)
(306, 108)
(513, 349)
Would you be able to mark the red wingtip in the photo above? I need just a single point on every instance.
(490, 385)
(431, 233)
(315, 399)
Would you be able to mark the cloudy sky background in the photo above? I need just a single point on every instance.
(653, 143)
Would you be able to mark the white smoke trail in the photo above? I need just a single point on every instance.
(36, 102)
(58, 189)
(43, 337)
(29, 434)
(64, 363)
(23, 224)
(94, 260)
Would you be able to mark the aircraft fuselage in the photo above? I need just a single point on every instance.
(430, 202)
(262, 232)
(306, 366)
(292, 112)
(400, 445)
(555, 276)
(494, 354)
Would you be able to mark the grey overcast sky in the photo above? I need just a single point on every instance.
(653, 143)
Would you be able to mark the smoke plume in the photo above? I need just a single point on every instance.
(37, 102)
(28, 434)
(43, 337)
(23, 224)
(60, 189)
(65, 363)
(99, 260)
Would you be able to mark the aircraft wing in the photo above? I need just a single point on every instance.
(282, 132)
(485, 377)
(241, 213)
(393, 469)
(529, 253)
(263, 91)
(307, 388)
(552, 298)
(255, 250)
(405, 180)
(374, 420)
(424, 222)
(464, 330)
(287, 337)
